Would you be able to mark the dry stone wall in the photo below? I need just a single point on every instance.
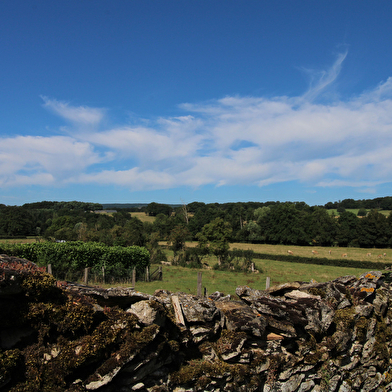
(295, 337)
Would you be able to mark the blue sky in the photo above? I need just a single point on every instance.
(182, 101)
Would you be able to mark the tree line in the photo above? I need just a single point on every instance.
(291, 223)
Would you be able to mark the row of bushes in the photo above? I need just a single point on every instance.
(116, 260)
(323, 261)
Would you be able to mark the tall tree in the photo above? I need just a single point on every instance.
(285, 224)
(347, 229)
(322, 227)
(215, 236)
(373, 230)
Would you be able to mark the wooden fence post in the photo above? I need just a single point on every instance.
(134, 278)
(50, 269)
(160, 273)
(86, 276)
(199, 283)
(177, 310)
(267, 282)
(103, 274)
(147, 275)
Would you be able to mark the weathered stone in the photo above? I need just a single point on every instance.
(297, 294)
(198, 310)
(345, 387)
(292, 384)
(240, 317)
(306, 386)
(147, 313)
(371, 383)
(334, 382)
(122, 297)
(296, 337)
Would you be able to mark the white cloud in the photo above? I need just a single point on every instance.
(230, 141)
(132, 178)
(77, 115)
(29, 160)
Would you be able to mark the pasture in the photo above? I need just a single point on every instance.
(185, 279)
(143, 217)
(182, 279)
(306, 251)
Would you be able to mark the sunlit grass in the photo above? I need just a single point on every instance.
(185, 280)
(181, 279)
(143, 217)
(306, 251)
(27, 240)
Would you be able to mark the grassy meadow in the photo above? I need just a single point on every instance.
(306, 251)
(143, 217)
(184, 279)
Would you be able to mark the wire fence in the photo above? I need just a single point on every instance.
(87, 276)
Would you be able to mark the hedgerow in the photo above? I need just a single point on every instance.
(344, 262)
(78, 255)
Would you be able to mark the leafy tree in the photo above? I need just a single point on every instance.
(215, 236)
(81, 231)
(251, 232)
(156, 253)
(205, 215)
(163, 225)
(347, 229)
(285, 225)
(16, 221)
(134, 232)
(373, 230)
(349, 204)
(322, 227)
(176, 241)
(153, 209)
(362, 212)
(261, 212)
(193, 207)
(62, 227)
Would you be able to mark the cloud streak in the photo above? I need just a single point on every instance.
(230, 141)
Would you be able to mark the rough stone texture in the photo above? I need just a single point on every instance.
(295, 337)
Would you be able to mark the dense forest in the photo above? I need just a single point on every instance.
(294, 223)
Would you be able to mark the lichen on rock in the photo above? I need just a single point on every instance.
(299, 336)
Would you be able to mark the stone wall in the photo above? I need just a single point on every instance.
(300, 336)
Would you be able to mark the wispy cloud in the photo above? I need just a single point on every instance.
(228, 141)
(77, 115)
(322, 79)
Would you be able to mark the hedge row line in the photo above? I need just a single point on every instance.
(78, 255)
(371, 265)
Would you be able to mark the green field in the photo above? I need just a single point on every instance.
(185, 279)
(355, 211)
(143, 217)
